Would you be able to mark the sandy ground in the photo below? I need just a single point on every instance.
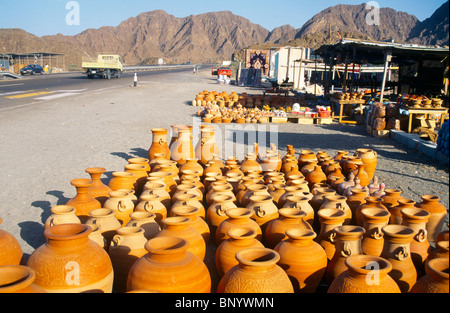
(45, 146)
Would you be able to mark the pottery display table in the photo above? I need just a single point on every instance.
(342, 103)
(426, 111)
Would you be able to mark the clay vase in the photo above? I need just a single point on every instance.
(264, 210)
(168, 267)
(362, 175)
(238, 238)
(303, 259)
(417, 219)
(182, 149)
(62, 214)
(189, 200)
(237, 217)
(192, 164)
(146, 221)
(98, 190)
(253, 189)
(152, 203)
(159, 190)
(340, 154)
(168, 167)
(122, 205)
(317, 176)
(396, 249)
(207, 146)
(141, 161)
(18, 279)
(370, 203)
(305, 156)
(319, 197)
(365, 274)
(159, 144)
(197, 222)
(82, 202)
(329, 219)
(374, 219)
(122, 180)
(71, 263)
(126, 248)
(277, 191)
(179, 226)
(436, 279)
(216, 212)
(140, 176)
(97, 237)
(250, 165)
(356, 198)
(347, 242)
(294, 190)
(396, 210)
(301, 203)
(288, 219)
(390, 199)
(370, 159)
(257, 272)
(438, 213)
(289, 164)
(10, 250)
(338, 202)
(106, 221)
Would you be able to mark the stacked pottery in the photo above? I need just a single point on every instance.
(82, 202)
(98, 190)
(10, 250)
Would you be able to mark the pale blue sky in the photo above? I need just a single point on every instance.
(48, 17)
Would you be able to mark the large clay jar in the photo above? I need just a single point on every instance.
(338, 202)
(18, 279)
(237, 217)
(179, 226)
(417, 219)
(71, 263)
(347, 240)
(397, 250)
(159, 144)
(356, 198)
(82, 202)
(303, 259)
(122, 205)
(98, 190)
(152, 203)
(288, 219)
(370, 159)
(306, 156)
(438, 213)
(374, 219)
(169, 267)
(126, 248)
(146, 221)
(390, 199)
(140, 176)
(182, 148)
(121, 180)
(264, 210)
(319, 197)
(10, 251)
(216, 212)
(301, 203)
(316, 177)
(436, 279)
(189, 200)
(250, 165)
(238, 238)
(62, 214)
(207, 146)
(197, 221)
(365, 274)
(192, 164)
(396, 210)
(329, 219)
(159, 190)
(257, 272)
(106, 221)
(370, 203)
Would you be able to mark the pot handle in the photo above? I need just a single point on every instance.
(421, 235)
(116, 240)
(161, 141)
(377, 234)
(402, 254)
(121, 206)
(346, 250)
(221, 211)
(148, 207)
(331, 236)
(260, 211)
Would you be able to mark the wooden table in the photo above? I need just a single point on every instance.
(341, 108)
(421, 110)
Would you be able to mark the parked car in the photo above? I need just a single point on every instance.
(214, 71)
(226, 71)
(32, 69)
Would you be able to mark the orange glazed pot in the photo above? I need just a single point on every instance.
(168, 267)
(373, 221)
(18, 279)
(98, 190)
(71, 263)
(10, 250)
(370, 159)
(122, 180)
(159, 144)
(82, 202)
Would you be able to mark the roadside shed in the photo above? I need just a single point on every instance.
(14, 62)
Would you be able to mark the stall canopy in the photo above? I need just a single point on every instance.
(355, 51)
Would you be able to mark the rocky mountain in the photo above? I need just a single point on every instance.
(434, 30)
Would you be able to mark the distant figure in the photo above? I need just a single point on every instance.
(46, 68)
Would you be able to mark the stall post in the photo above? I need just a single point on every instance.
(387, 59)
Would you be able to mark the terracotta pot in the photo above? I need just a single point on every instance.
(305, 156)
(395, 210)
(397, 250)
(71, 263)
(159, 144)
(106, 221)
(141, 161)
(329, 219)
(140, 176)
(168, 267)
(365, 274)
(216, 212)
(301, 203)
(82, 202)
(319, 197)
(188, 188)
(168, 167)
(122, 205)
(152, 203)
(197, 221)
(237, 217)
(370, 159)
(391, 200)
(303, 259)
(98, 190)
(277, 191)
(264, 210)
(192, 164)
(159, 190)
(207, 146)
(250, 164)
(417, 219)
(338, 202)
(146, 221)
(293, 191)
(362, 175)
(441, 251)
(10, 250)
(237, 239)
(356, 198)
(347, 240)
(189, 200)
(122, 180)
(181, 227)
(224, 189)
(436, 278)
(374, 219)
(253, 189)
(340, 154)
(288, 219)
(438, 213)
(317, 176)
(97, 237)
(350, 165)
(182, 149)
(257, 272)
(370, 203)
(126, 248)
(62, 214)
(18, 279)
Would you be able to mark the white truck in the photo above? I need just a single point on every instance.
(105, 66)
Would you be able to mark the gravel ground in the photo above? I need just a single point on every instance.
(45, 146)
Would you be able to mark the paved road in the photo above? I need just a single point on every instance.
(39, 88)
